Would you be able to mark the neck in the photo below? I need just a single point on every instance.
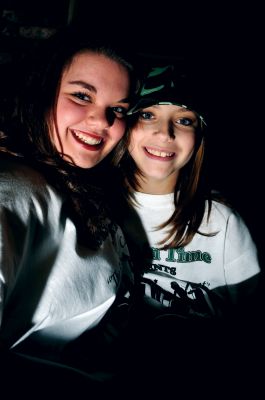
(156, 186)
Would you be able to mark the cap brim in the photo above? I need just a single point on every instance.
(144, 103)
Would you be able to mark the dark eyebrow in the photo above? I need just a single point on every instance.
(84, 85)
(92, 88)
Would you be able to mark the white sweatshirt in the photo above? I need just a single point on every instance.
(208, 274)
(50, 286)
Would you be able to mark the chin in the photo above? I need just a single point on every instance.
(86, 164)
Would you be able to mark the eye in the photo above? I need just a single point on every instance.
(145, 115)
(119, 111)
(82, 96)
(189, 120)
(185, 121)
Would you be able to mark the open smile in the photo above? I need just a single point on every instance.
(158, 154)
(88, 140)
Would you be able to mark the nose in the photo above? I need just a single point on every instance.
(166, 130)
(100, 117)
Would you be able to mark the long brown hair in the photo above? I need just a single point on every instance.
(26, 134)
(191, 195)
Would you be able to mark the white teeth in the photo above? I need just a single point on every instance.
(159, 153)
(87, 139)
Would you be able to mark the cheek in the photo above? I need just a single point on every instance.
(135, 139)
(189, 147)
(68, 113)
(189, 142)
(131, 145)
(117, 130)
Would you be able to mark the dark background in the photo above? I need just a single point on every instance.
(221, 43)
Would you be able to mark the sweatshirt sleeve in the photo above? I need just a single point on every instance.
(23, 208)
(242, 268)
(14, 234)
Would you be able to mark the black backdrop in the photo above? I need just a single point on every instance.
(221, 42)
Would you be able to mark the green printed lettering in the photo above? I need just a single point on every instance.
(206, 257)
(170, 255)
(181, 255)
(196, 255)
(191, 256)
(156, 253)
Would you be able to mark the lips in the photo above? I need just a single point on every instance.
(159, 154)
(89, 140)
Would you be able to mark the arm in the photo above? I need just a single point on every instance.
(23, 208)
(242, 268)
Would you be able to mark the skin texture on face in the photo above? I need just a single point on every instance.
(161, 144)
(91, 106)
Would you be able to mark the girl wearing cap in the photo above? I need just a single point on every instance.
(196, 255)
(197, 263)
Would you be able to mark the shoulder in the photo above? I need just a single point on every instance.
(217, 212)
(227, 218)
(221, 210)
(14, 171)
(20, 184)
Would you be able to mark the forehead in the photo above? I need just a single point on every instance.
(97, 70)
(169, 108)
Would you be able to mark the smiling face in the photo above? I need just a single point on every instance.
(90, 109)
(161, 144)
